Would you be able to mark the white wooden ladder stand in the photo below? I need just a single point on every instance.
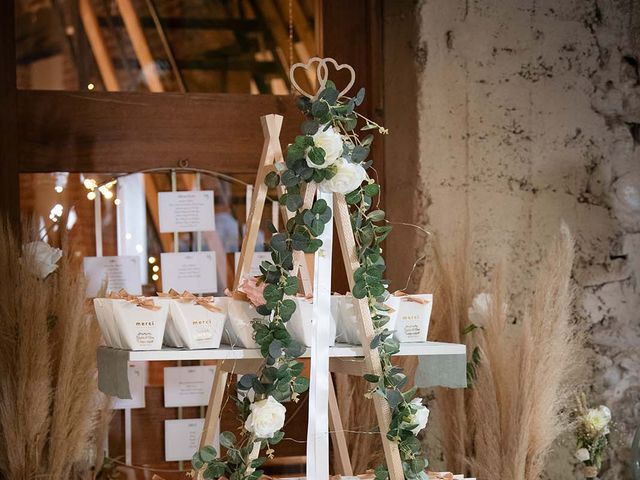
(271, 154)
(303, 265)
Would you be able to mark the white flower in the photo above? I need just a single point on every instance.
(421, 417)
(481, 308)
(582, 454)
(42, 258)
(331, 142)
(598, 418)
(266, 418)
(348, 177)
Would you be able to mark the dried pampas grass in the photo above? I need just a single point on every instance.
(49, 404)
(505, 425)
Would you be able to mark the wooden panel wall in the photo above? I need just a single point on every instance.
(8, 165)
(124, 132)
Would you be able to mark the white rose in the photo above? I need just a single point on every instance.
(421, 417)
(348, 177)
(331, 142)
(266, 418)
(582, 454)
(598, 418)
(41, 257)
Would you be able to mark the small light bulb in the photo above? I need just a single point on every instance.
(155, 277)
(139, 248)
(152, 260)
(91, 86)
(117, 201)
(155, 268)
(127, 236)
(58, 188)
(91, 195)
(89, 183)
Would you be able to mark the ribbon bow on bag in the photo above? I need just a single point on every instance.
(206, 302)
(141, 302)
(410, 298)
(186, 296)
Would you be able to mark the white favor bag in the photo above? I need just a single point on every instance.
(412, 317)
(348, 325)
(171, 337)
(140, 328)
(300, 326)
(104, 314)
(238, 331)
(196, 325)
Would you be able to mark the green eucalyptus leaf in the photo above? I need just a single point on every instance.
(359, 98)
(300, 384)
(310, 127)
(272, 180)
(287, 308)
(291, 287)
(319, 108)
(227, 440)
(372, 189)
(369, 377)
(316, 155)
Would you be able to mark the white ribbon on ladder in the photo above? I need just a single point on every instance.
(318, 423)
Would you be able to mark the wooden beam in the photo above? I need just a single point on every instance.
(151, 195)
(140, 45)
(126, 132)
(278, 30)
(98, 46)
(300, 24)
(9, 189)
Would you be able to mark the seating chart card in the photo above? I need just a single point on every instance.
(186, 211)
(182, 438)
(192, 271)
(119, 272)
(188, 386)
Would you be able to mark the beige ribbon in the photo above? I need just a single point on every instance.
(410, 298)
(142, 302)
(186, 296)
(236, 295)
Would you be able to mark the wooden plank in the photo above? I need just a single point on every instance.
(9, 191)
(371, 356)
(271, 126)
(140, 45)
(215, 405)
(126, 132)
(98, 46)
(341, 458)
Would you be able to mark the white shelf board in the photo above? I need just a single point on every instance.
(225, 352)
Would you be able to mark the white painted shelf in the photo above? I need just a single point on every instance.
(225, 352)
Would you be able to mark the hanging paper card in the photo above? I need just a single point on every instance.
(137, 373)
(188, 211)
(192, 271)
(182, 438)
(256, 260)
(118, 272)
(188, 386)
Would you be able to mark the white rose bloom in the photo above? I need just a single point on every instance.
(331, 142)
(582, 454)
(43, 258)
(598, 418)
(266, 418)
(421, 417)
(348, 177)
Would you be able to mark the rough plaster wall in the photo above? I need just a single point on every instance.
(529, 115)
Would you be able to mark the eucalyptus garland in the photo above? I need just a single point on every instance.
(330, 153)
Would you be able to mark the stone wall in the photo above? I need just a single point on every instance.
(528, 115)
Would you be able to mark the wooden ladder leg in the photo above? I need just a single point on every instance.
(371, 356)
(341, 460)
(212, 419)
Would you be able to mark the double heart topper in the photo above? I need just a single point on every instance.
(322, 74)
